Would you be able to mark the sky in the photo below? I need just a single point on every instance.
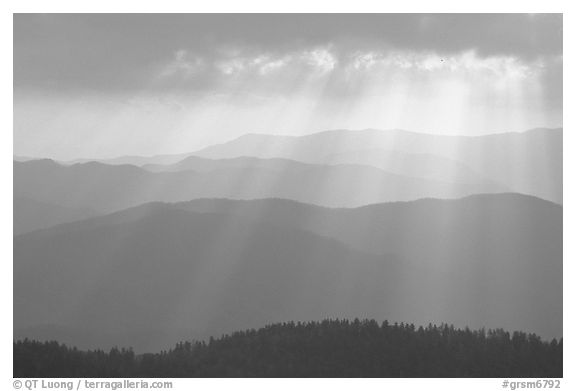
(106, 85)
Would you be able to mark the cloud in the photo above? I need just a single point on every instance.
(183, 65)
(191, 80)
(321, 59)
(184, 69)
(186, 66)
(111, 52)
(465, 62)
(267, 66)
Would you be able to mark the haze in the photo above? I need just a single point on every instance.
(101, 86)
(177, 177)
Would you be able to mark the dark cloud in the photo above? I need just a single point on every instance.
(123, 51)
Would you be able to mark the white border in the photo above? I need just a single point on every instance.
(231, 6)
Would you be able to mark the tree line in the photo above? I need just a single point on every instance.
(329, 348)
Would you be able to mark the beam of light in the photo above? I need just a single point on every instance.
(295, 94)
(275, 94)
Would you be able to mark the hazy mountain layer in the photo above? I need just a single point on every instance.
(399, 163)
(108, 187)
(493, 245)
(155, 274)
(528, 162)
(136, 160)
(30, 215)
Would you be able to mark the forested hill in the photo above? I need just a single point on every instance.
(331, 348)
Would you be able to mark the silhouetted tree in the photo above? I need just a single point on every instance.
(330, 348)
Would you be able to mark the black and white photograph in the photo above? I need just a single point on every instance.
(287, 195)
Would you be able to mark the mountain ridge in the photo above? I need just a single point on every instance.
(528, 162)
(113, 187)
(484, 261)
(194, 151)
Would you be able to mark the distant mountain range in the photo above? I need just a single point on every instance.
(106, 188)
(30, 215)
(158, 273)
(146, 251)
(528, 162)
